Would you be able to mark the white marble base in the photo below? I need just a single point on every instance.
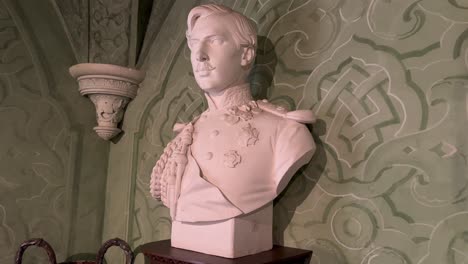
(233, 238)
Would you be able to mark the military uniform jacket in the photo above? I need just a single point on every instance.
(240, 159)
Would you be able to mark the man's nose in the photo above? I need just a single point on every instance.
(201, 56)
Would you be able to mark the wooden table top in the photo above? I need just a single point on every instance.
(279, 254)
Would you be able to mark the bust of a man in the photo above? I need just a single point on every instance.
(220, 174)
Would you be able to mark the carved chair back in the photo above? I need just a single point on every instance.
(38, 242)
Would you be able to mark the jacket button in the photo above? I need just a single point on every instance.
(214, 133)
(208, 155)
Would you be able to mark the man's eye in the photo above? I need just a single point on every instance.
(217, 41)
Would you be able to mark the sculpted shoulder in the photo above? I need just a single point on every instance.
(301, 116)
(260, 108)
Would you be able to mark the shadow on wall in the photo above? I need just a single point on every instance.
(301, 185)
(261, 76)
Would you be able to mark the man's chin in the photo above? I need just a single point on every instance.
(209, 89)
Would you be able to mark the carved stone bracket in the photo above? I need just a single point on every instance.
(110, 88)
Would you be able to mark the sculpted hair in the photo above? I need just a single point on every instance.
(244, 33)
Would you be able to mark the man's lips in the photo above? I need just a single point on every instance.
(203, 73)
(204, 69)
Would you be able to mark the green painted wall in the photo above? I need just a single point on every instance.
(52, 165)
(388, 81)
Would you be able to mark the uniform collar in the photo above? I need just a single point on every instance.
(231, 97)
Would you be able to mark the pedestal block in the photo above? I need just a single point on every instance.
(237, 237)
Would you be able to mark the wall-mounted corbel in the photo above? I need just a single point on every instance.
(110, 88)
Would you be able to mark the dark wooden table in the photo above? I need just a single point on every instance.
(161, 252)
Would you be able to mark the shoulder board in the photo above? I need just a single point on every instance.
(178, 127)
(301, 116)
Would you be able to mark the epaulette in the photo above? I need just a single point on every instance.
(301, 116)
(178, 127)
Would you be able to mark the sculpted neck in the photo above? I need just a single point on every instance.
(233, 96)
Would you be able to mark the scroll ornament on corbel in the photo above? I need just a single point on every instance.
(110, 88)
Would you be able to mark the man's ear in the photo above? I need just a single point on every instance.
(248, 55)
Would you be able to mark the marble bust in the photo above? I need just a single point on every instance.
(221, 172)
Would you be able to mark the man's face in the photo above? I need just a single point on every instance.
(216, 59)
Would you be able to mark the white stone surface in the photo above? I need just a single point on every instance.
(236, 237)
(220, 174)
